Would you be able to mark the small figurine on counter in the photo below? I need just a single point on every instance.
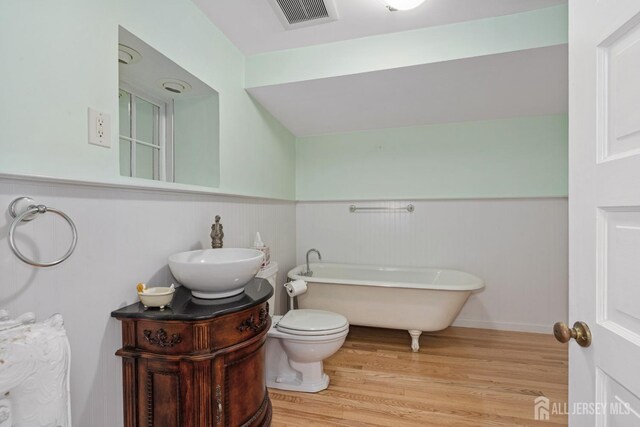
(217, 234)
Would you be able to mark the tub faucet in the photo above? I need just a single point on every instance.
(308, 272)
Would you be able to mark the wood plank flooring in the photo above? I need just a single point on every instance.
(461, 377)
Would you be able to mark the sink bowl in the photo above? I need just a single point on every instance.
(216, 273)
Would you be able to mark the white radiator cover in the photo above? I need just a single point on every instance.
(34, 373)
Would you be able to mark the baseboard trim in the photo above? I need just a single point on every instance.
(504, 326)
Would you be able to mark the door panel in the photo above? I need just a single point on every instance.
(624, 406)
(604, 210)
(161, 403)
(244, 384)
(618, 86)
(618, 284)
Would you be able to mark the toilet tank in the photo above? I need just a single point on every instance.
(271, 274)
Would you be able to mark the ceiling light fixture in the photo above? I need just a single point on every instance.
(128, 55)
(174, 85)
(394, 5)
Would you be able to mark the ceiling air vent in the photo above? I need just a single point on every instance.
(302, 13)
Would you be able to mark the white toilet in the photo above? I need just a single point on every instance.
(298, 342)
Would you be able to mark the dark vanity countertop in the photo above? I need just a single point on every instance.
(187, 307)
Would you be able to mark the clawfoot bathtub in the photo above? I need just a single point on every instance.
(414, 299)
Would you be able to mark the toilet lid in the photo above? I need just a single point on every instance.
(312, 322)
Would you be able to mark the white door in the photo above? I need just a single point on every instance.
(604, 211)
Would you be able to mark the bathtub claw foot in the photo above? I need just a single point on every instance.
(415, 339)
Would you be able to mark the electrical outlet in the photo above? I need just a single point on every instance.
(99, 128)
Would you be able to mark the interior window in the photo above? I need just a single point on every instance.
(143, 135)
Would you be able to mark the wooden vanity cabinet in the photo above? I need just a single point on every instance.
(195, 372)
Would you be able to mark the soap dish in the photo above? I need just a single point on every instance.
(155, 297)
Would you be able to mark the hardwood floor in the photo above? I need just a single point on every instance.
(461, 377)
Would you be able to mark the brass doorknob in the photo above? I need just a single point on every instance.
(580, 332)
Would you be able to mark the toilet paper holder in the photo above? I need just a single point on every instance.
(295, 288)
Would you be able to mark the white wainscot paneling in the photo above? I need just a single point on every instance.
(125, 237)
(518, 246)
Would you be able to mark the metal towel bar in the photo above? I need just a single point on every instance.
(408, 208)
(25, 209)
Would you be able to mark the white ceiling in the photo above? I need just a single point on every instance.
(524, 83)
(254, 28)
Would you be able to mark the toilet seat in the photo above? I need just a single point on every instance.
(309, 322)
(311, 333)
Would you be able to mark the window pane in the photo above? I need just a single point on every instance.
(125, 113)
(147, 162)
(125, 157)
(146, 121)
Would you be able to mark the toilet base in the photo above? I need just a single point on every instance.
(294, 384)
(285, 374)
(295, 362)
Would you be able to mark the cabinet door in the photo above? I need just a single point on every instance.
(164, 394)
(244, 392)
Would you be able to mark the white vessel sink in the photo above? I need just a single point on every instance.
(216, 273)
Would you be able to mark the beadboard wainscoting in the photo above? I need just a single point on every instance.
(124, 237)
(518, 246)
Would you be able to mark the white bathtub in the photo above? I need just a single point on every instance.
(415, 299)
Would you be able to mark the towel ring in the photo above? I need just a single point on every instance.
(25, 209)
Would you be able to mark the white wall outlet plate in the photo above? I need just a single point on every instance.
(99, 128)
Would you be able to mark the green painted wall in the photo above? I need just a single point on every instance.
(61, 57)
(527, 30)
(197, 140)
(521, 157)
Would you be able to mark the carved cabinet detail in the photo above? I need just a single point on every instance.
(196, 373)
